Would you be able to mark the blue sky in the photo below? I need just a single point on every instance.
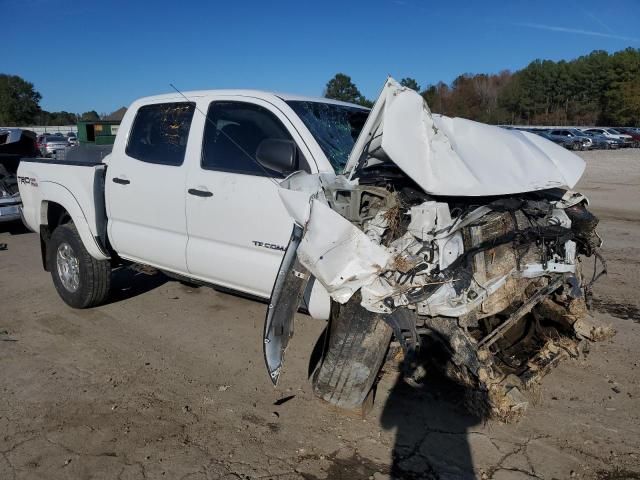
(101, 55)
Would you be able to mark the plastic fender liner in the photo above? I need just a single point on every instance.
(286, 296)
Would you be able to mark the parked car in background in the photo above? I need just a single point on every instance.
(52, 144)
(574, 134)
(611, 133)
(570, 143)
(39, 141)
(604, 142)
(72, 138)
(634, 133)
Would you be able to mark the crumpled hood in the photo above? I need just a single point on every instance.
(459, 157)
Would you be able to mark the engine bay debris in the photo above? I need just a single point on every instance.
(493, 272)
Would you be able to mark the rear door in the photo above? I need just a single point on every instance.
(238, 227)
(145, 186)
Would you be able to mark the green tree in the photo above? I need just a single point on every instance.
(19, 101)
(599, 88)
(365, 102)
(61, 118)
(410, 83)
(91, 116)
(342, 88)
(623, 103)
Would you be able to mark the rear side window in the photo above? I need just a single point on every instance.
(159, 133)
(232, 134)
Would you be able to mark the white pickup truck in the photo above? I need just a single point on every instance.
(395, 222)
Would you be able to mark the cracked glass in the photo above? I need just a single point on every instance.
(335, 127)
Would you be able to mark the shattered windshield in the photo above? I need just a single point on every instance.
(335, 127)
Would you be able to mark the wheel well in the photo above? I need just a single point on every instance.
(56, 215)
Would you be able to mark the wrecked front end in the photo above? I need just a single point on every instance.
(495, 279)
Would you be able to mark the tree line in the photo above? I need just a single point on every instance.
(20, 106)
(595, 89)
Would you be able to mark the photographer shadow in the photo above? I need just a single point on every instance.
(432, 426)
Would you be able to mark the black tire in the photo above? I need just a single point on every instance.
(356, 348)
(94, 276)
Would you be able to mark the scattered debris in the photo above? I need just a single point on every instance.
(4, 336)
(144, 269)
(625, 311)
(223, 388)
(284, 400)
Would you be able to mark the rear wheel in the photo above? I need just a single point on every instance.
(356, 348)
(81, 280)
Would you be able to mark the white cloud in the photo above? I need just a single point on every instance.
(577, 31)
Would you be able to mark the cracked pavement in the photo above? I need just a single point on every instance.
(168, 381)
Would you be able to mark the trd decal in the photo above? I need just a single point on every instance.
(28, 181)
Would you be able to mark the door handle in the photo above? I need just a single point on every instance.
(200, 193)
(121, 181)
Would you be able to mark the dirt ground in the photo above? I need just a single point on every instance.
(168, 381)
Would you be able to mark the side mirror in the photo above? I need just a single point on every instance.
(276, 154)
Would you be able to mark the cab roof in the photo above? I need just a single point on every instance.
(262, 94)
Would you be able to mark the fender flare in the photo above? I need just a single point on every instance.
(57, 193)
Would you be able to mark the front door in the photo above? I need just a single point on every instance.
(238, 227)
(145, 187)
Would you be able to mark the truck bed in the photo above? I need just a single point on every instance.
(76, 186)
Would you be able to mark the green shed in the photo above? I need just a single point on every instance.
(100, 132)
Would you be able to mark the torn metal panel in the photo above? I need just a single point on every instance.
(341, 256)
(286, 296)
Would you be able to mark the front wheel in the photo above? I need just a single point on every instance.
(81, 280)
(355, 351)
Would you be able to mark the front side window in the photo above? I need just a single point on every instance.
(159, 133)
(232, 134)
